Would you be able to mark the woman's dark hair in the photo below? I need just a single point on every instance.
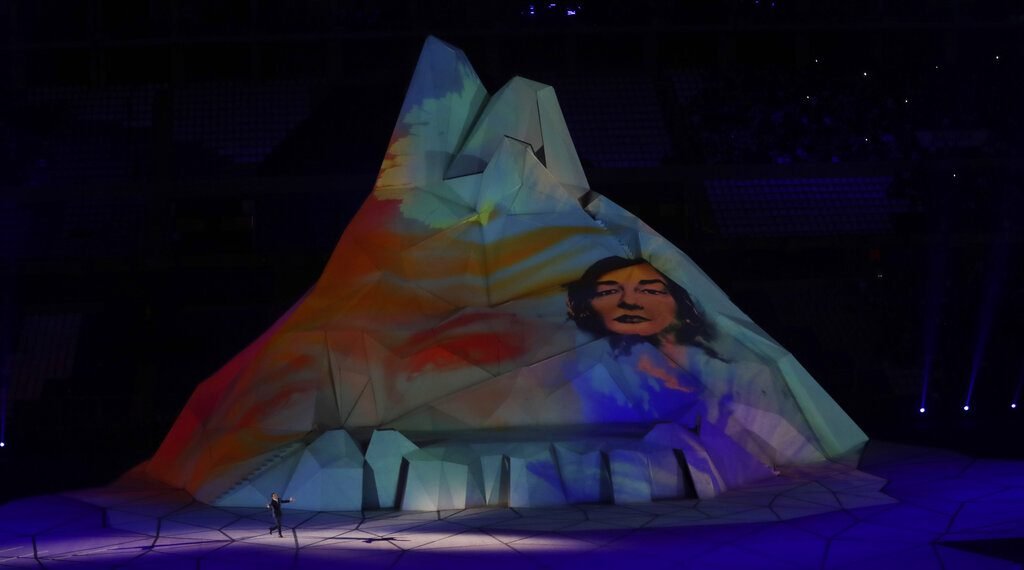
(693, 327)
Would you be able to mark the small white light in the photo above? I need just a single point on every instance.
(966, 408)
(936, 67)
(2, 444)
(1013, 406)
(815, 60)
(906, 100)
(921, 410)
(954, 175)
(866, 139)
(997, 58)
(865, 74)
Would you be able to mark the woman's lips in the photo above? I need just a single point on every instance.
(631, 319)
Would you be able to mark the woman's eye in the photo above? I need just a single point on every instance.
(655, 292)
(605, 292)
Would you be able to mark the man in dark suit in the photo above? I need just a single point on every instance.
(275, 506)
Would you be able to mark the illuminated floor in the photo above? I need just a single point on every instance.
(939, 510)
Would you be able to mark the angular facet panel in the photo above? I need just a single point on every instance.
(667, 478)
(534, 480)
(584, 475)
(439, 479)
(631, 476)
(494, 479)
(329, 476)
(383, 467)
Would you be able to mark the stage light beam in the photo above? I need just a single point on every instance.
(938, 270)
(995, 276)
(3, 415)
(1017, 390)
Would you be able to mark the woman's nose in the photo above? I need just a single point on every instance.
(628, 300)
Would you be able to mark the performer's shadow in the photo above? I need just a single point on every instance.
(372, 540)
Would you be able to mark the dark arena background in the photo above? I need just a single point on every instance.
(175, 174)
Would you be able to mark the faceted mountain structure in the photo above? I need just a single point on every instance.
(485, 300)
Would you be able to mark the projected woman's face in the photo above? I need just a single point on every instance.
(634, 300)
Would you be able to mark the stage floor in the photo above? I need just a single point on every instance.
(908, 507)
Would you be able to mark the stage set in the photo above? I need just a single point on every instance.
(500, 367)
